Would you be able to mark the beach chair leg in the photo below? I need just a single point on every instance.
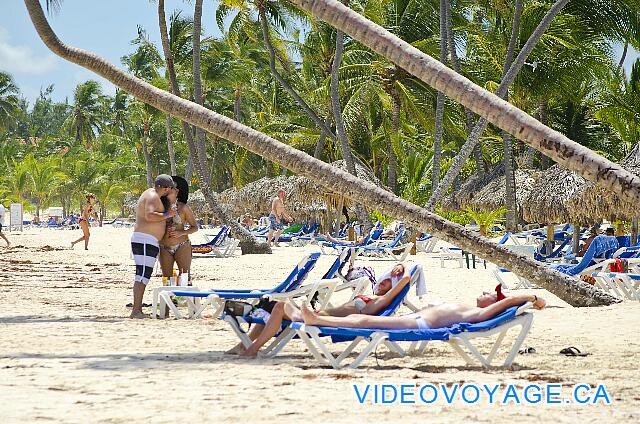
(395, 347)
(279, 343)
(317, 347)
(166, 297)
(242, 335)
(375, 339)
(349, 349)
(410, 305)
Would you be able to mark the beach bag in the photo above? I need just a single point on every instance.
(361, 271)
(620, 265)
(237, 309)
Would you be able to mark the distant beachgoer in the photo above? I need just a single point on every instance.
(277, 216)
(346, 242)
(2, 211)
(247, 221)
(175, 246)
(151, 217)
(87, 213)
(610, 231)
(594, 231)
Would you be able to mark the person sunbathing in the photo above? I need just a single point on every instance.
(488, 305)
(387, 287)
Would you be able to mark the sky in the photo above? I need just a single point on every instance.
(104, 27)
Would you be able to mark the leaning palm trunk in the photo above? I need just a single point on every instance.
(574, 292)
(439, 130)
(392, 168)
(197, 92)
(509, 73)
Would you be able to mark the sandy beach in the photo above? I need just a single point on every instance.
(69, 354)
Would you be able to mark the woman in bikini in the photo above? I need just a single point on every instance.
(175, 246)
(87, 213)
(386, 288)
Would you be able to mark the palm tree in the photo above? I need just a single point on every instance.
(609, 175)
(9, 102)
(88, 113)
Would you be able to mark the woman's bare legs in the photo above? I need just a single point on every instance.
(85, 235)
(272, 327)
(358, 321)
(253, 334)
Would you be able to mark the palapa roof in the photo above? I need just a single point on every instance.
(463, 197)
(493, 194)
(595, 203)
(548, 201)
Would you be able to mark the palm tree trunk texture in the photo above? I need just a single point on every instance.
(439, 130)
(544, 118)
(262, 17)
(321, 140)
(455, 62)
(145, 153)
(502, 90)
(170, 149)
(510, 182)
(363, 216)
(197, 91)
(576, 293)
(392, 169)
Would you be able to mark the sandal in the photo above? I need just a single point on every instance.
(144, 305)
(572, 351)
(527, 351)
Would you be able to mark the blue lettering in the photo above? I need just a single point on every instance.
(554, 396)
(464, 393)
(404, 393)
(601, 392)
(447, 396)
(532, 397)
(576, 394)
(511, 394)
(364, 395)
(434, 390)
(491, 392)
(375, 394)
(384, 393)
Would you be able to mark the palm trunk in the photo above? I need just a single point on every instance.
(623, 57)
(575, 292)
(503, 88)
(262, 18)
(392, 169)
(197, 93)
(340, 128)
(172, 154)
(237, 93)
(145, 153)
(321, 140)
(544, 118)
(439, 130)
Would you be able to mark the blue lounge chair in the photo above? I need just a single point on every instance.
(393, 249)
(458, 335)
(373, 236)
(216, 240)
(288, 330)
(602, 247)
(216, 298)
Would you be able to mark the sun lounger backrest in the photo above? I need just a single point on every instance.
(341, 259)
(298, 275)
(398, 238)
(600, 246)
(504, 238)
(393, 306)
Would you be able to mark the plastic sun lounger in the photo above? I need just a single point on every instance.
(601, 246)
(216, 298)
(288, 331)
(621, 285)
(374, 235)
(459, 336)
(392, 250)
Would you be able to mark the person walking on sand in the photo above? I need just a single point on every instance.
(151, 218)
(87, 213)
(278, 213)
(2, 210)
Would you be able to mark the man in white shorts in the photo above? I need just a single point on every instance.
(151, 218)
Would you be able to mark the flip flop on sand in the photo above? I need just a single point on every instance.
(527, 350)
(572, 351)
(144, 305)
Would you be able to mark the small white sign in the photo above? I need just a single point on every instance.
(15, 216)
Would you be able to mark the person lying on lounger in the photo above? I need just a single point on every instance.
(488, 305)
(387, 287)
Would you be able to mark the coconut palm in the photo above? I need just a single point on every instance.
(9, 102)
(478, 100)
(87, 114)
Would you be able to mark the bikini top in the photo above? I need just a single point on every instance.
(176, 219)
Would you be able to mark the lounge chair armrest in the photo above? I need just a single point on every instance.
(524, 307)
(305, 290)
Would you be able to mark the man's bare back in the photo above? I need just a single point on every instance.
(277, 208)
(149, 201)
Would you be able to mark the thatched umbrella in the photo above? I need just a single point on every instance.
(463, 197)
(595, 203)
(493, 194)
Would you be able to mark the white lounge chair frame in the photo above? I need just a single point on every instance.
(618, 284)
(451, 253)
(320, 350)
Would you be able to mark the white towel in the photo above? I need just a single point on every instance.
(421, 283)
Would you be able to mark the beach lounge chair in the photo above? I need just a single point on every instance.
(393, 249)
(426, 243)
(373, 236)
(215, 298)
(288, 331)
(601, 248)
(459, 336)
(451, 253)
(621, 285)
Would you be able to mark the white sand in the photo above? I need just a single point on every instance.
(68, 352)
